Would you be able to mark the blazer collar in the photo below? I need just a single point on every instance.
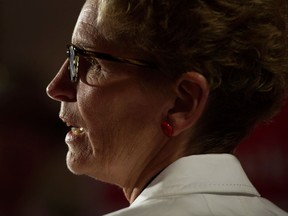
(207, 173)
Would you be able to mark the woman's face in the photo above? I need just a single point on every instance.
(116, 122)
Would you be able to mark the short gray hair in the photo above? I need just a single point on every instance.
(239, 46)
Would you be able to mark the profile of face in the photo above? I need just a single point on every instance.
(116, 120)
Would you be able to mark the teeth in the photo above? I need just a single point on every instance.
(77, 131)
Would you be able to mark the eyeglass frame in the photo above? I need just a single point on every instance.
(76, 51)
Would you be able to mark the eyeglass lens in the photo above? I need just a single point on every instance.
(73, 63)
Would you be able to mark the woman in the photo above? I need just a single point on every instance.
(159, 93)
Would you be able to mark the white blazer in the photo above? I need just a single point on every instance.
(201, 185)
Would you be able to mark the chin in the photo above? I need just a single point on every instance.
(76, 164)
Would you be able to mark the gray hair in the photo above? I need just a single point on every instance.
(239, 46)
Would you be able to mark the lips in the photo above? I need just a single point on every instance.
(76, 130)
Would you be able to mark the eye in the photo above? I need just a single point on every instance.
(94, 65)
(92, 69)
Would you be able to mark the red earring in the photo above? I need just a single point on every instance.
(167, 129)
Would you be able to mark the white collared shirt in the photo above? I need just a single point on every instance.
(201, 185)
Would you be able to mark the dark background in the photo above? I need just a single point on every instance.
(34, 179)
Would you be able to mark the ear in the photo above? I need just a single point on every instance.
(192, 93)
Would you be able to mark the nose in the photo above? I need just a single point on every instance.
(61, 88)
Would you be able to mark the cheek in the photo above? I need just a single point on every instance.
(108, 114)
(97, 117)
(102, 114)
(121, 120)
(115, 106)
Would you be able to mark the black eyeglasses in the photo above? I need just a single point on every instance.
(74, 52)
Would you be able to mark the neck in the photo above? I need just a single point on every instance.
(167, 155)
(131, 193)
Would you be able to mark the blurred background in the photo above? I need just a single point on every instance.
(34, 179)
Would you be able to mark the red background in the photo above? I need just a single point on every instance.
(264, 156)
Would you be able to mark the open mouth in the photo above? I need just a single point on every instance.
(77, 130)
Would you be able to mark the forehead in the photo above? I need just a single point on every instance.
(91, 29)
(85, 31)
(92, 32)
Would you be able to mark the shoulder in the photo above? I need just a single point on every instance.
(167, 206)
(201, 186)
(203, 205)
